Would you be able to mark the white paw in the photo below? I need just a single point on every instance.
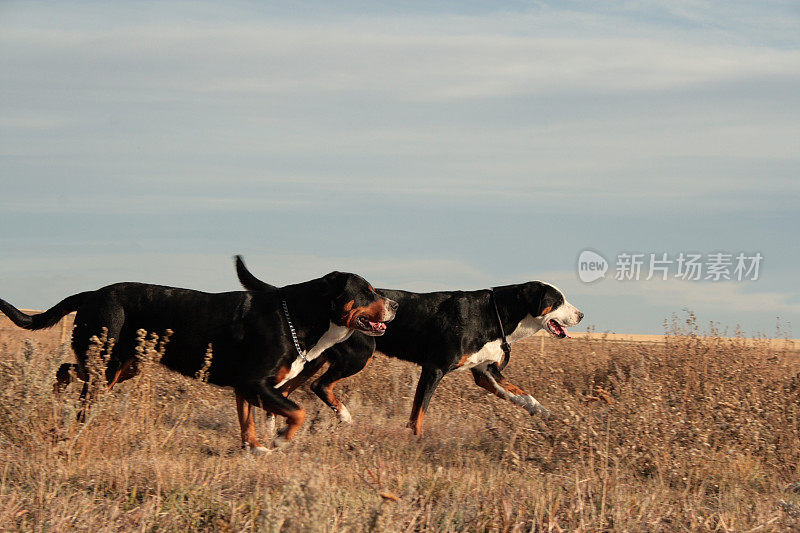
(270, 424)
(280, 441)
(344, 415)
(532, 405)
(544, 412)
(255, 450)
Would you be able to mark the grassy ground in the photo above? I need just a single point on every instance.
(693, 433)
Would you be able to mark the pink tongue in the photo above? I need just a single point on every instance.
(380, 326)
(560, 329)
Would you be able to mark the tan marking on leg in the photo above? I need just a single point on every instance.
(127, 371)
(484, 382)
(513, 389)
(294, 419)
(332, 400)
(500, 388)
(325, 393)
(416, 423)
(247, 424)
(417, 414)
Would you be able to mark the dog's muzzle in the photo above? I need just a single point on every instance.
(372, 319)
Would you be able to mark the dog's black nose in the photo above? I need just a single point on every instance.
(393, 305)
(580, 316)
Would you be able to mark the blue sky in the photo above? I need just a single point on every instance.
(425, 145)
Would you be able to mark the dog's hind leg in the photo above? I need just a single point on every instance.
(126, 371)
(64, 376)
(83, 402)
(89, 323)
(490, 378)
(269, 399)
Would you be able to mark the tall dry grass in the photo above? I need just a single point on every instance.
(697, 433)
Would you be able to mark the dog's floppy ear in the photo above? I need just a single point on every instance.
(248, 280)
(336, 283)
(534, 292)
(542, 297)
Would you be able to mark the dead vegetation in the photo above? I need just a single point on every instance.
(699, 432)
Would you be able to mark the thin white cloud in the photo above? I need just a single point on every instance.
(166, 92)
(174, 202)
(406, 60)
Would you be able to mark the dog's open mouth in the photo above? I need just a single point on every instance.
(369, 327)
(557, 329)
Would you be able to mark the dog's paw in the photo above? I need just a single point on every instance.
(532, 405)
(544, 412)
(344, 415)
(270, 424)
(255, 450)
(280, 441)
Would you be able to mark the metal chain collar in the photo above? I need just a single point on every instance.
(300, 351)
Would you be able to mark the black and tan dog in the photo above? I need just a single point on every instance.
(442, 332)
(251, 333)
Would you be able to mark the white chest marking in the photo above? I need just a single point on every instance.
(491, 351)
(335, 334)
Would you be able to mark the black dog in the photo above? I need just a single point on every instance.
(255, 337)
(441, 332)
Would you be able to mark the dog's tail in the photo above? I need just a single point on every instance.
(248, 280)
(49, 318)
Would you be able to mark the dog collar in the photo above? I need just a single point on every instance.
(300, 351)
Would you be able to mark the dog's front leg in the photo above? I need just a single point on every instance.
(272, 401)
(287, 388)
(428, 381)
(490, 378)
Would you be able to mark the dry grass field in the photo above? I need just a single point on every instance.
(695, 432)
